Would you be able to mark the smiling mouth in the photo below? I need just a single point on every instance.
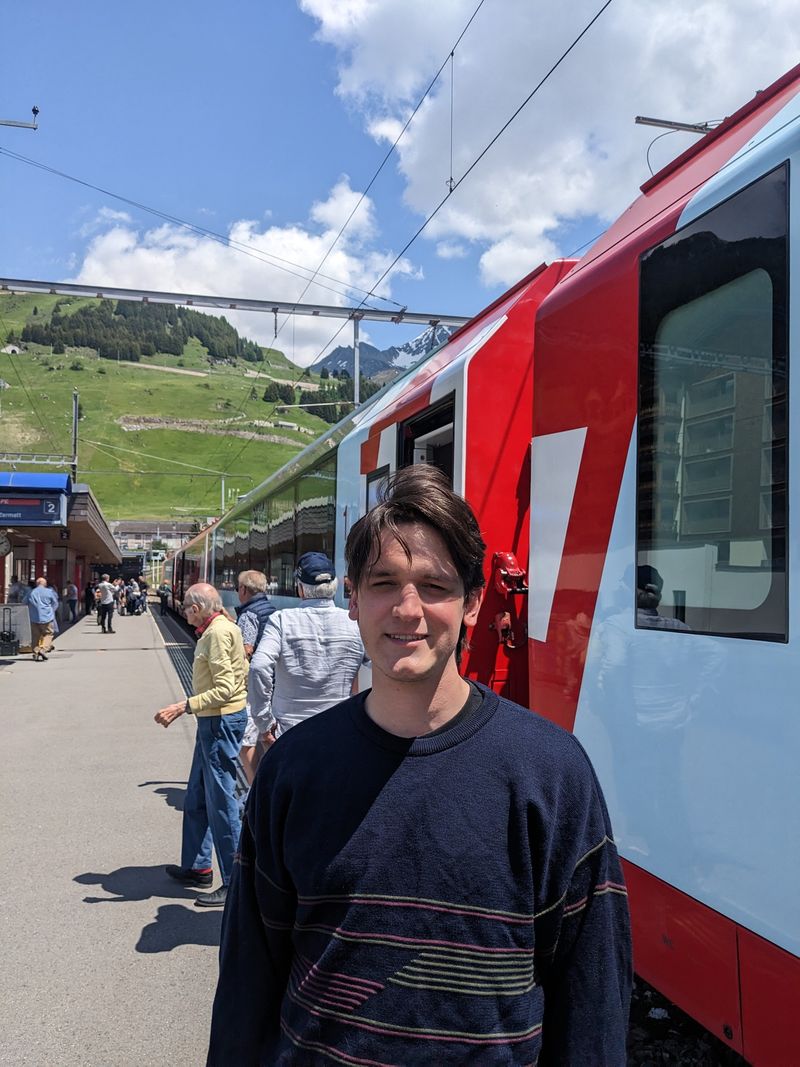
(406, 638)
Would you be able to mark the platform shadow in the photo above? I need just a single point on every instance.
(176, 925)
(133, 883)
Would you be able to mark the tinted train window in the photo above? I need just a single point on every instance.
(712, 427)
(316, 510)
(282, 555)
(298, 517)
(376, 481)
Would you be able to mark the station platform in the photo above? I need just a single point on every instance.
(106, 962)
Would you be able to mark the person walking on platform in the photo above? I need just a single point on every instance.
(426, 872)
(251, 615)
(309, 656)
(219, 683)
(17, 592)
(71, 597)
(88, 598)
(42, 606)
(143, 587)
(163, 595)
(132, 596)
(105, 612)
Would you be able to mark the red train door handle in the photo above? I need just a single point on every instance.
(509, 577)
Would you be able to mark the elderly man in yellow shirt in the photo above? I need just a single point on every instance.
(219, 684)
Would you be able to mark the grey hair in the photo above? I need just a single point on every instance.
(323, 591)
(253, 581)
(205, 597)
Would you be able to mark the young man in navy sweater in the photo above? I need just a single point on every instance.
(426, 871)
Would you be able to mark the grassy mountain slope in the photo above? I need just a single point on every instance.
(198, 418)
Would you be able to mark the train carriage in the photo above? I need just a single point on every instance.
(661, 442)
(621, 426)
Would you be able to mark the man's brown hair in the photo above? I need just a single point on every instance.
(419, 494)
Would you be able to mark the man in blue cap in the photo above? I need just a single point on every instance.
(308, 657)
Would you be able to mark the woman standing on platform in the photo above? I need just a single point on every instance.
(219, 683)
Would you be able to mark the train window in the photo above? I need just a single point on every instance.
(259, 539)
(376, 480)
(316, 509)
(281, 542)
(712, 426)
(298, 517)
(428, 437)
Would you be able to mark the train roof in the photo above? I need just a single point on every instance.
(665, 194)
(374, 408)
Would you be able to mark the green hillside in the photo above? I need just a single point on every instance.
(181, 407)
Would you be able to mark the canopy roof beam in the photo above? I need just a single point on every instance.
(230, 303)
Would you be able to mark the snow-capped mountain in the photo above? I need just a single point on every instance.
(387, 362)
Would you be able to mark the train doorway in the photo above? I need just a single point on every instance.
(428, 438)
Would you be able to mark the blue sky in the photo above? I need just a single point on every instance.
(265, 121)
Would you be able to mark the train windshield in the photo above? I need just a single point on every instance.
(712, 426)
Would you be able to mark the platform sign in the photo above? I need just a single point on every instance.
(40, 509)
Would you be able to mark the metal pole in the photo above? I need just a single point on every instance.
(75, 406)
(356, 362)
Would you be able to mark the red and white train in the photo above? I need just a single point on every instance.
(622, 426)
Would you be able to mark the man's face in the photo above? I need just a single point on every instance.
(410, 613)
(244, 595)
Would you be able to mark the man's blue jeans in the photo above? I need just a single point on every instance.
(210, 811)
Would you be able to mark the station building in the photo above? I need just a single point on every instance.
(51, 527)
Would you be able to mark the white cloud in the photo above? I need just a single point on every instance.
(451, 250)
(574, 152)
(334, 212)
(173, 259)
(104, 217)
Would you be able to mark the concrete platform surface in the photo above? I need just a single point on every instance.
(105, 961)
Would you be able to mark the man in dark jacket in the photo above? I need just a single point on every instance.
(252, 613)
(426, 871)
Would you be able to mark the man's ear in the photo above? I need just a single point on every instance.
(352, 609)
(472, 606)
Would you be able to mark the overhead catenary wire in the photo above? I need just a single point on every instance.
(391, 150)
(213, 235)
(472, 165)
(362, 197)
(161, 459)
(492, 142)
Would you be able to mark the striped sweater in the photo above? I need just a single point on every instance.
(450, 899)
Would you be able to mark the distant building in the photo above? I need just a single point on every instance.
(139, 535)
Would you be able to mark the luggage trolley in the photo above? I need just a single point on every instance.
(9, 642)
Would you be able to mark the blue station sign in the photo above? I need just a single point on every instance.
(29, 509)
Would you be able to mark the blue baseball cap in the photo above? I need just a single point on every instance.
(314, 568)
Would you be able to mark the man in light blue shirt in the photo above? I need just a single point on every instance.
(42, 607)
(309, 656)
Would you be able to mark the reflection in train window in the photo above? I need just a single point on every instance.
(712, 427)
(297, 517)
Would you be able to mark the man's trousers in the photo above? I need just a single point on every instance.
(210, 810)
(42, 636)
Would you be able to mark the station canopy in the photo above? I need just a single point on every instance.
(51, 509)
